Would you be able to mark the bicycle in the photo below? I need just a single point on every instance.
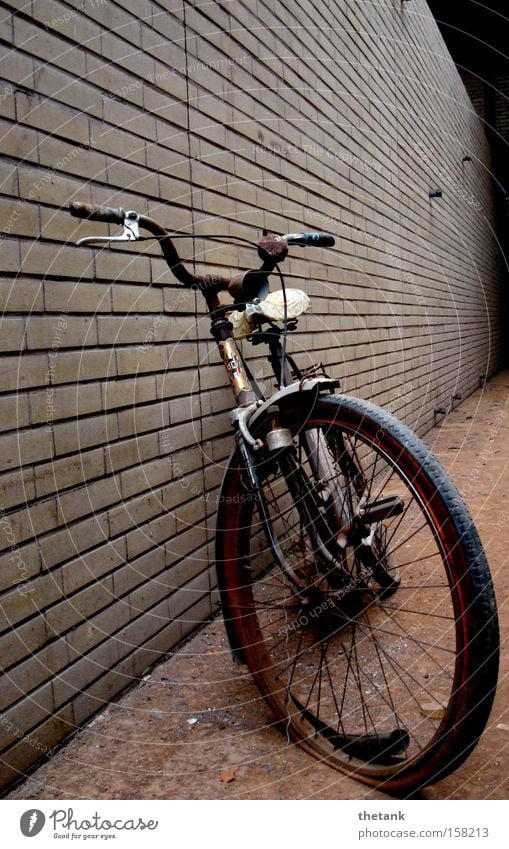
(352, 580)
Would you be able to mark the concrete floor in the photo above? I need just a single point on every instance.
(196, 728)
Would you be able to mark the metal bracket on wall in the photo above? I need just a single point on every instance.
(443, 411)
(438, 411)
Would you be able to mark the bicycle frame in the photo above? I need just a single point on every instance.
(308, 465)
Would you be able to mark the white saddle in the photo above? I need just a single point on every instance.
(272, 307)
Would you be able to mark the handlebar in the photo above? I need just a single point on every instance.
(242, 286)
(314, 240)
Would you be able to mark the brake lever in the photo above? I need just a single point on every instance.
(130, 233)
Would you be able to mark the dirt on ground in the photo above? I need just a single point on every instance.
(197, 727)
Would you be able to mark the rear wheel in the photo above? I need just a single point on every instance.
(374, 634)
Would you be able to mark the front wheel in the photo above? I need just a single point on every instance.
(373, 634)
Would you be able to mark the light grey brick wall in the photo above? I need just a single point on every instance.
(216, 117)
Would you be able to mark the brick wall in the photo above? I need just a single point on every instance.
(221, 117)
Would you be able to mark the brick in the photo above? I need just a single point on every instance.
(18, 69)
(79, 434)
(130, 452)
(171, 163)
(155, 532)
(169, 50)
(152, 645)
(71, 471)
(144, 477)
(198, 562)
(190, 594)
(173, 494)
(133, 512)
(18, 563)
(17, 644)
(128, 392)
(115, 82)
(18, 218)
(111, 139)
(146, 566)
(107, 687)
(137, 299)
(188, 408)
(10, 255)
(31, 748)
(45, 44)
(66, 262)
(169, 81)
(60, 86)
(81, 605)
(82, 674)
(27, 599)
(28, 523)
(14, 412)
(131, 177)
(120, 267)
(67, 297)
(23, 447)
(17, 488)
(93, 566)
(12, 334)
(62, 331)
(143, 418)
(71, 367)
(139, 359)
(80, 502)
(21, 296)
(127, 25)
(65, 543)
(8, 178)
(134, 329)
(34, 671)
(6, 26)
(137, 122)
(48, 186)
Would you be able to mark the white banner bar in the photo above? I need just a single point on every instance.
(255, 825)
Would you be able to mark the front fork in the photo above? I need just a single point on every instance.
(281, 451)
(248, 468)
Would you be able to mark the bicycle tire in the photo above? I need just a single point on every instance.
(439, 697)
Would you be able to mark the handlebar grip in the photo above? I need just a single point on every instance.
(97, 213)
(316, 240)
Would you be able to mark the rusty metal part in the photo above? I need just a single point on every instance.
(234, 365)
(272, 249)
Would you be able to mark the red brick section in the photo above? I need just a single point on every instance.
(218, 118)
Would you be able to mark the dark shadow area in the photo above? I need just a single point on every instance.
(477, 35)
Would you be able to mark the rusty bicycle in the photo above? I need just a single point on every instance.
(352, 579)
